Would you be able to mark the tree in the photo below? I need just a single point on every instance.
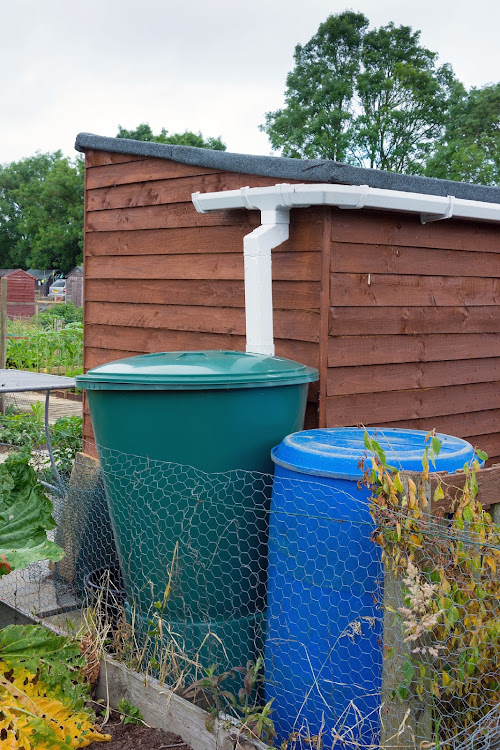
(317, 118)
(371, 98)
(143, 132)
(403, 99)
(470, 148)
(41, 212)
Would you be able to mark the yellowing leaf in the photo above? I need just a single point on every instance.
(446, 679)
(34, 720)
(438, 493)
(491, 563)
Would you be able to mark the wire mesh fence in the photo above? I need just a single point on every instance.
(333, 619)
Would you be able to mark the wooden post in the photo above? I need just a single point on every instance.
(3, 333)
(405, 724)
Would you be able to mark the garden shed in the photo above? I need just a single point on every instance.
(398, 307)
(74, 286)
(20, 293)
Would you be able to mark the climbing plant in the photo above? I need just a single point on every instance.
(448, 564)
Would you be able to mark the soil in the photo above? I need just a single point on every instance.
(132, 736)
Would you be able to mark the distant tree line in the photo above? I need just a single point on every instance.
(41, 203)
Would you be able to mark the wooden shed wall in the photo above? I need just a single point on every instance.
(74, 288)
(161, 277)
(414, 325)
(20, 295)
(402, 318)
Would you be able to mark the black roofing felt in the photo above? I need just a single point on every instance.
(282, 168)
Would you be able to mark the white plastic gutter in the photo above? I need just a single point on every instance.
(275, 203)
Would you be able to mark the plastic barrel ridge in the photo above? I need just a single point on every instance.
(173, 431)
(323, 650)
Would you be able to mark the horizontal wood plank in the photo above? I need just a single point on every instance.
(101, 158)
(488, 483)
(387, 290)
(406, 376)
(363, 321)
(287, 295)
(299, 324)
(286, 267)
(490, 444)
(136, 339)
(395, 259)
(461, 425)
(385, 227)
(161, 707)
(304, 235)
(377, 350)
(179, 190)
(163, 217)
(141, 170)
(380, 408)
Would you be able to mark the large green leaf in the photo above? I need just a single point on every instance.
(25, 517)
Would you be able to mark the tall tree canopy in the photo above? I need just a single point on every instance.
(470, 148)
(143, 132)
(372, 98)
(41, 212)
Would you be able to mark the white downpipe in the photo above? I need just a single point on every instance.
(275, 203)
(257, 248)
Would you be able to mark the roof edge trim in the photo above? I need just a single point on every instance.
(283, 168)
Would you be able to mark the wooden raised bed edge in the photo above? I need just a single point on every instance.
(66, 394)
(161, 708)
(488, 482)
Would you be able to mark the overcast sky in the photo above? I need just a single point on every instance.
(214, 66)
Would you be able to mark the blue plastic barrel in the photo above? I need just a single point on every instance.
(323, 654)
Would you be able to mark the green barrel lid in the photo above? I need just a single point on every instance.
(196, 370)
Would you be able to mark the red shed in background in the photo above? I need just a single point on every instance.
(20, 293)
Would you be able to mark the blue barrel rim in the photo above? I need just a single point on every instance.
(450, 463)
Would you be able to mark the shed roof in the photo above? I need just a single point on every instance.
(38, 273)
(76, 271)
(9, 271)
(283, 168)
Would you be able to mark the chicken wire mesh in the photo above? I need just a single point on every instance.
(199, 572)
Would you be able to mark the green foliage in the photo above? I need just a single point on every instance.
(317, 119)
(42, 692)
(67, 312)
(46, 348)
(129, 714)
(403, 98)
(41, 212)
(143, 132)
(255, 719)
(66, 442)
(27, 431)
(448, 567)
(23, 428)
(372, 98)
(25, 516)
(470, 148)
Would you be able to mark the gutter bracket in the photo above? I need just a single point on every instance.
(448, 213)
(364, 191)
